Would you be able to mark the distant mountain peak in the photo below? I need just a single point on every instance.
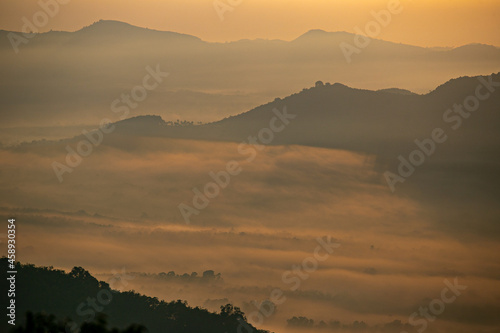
(319, 33)
(397, 91)
(112, 27)
(462, 84)
(144, 119)
(109, 24)
(476, 47)
(313, 32)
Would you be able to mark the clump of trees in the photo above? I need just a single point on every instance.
(206, 276)
(182, 123)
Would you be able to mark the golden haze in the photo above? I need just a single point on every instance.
(422, 23)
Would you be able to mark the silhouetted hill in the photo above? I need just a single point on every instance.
(336, 116)
(92, 67)
(67, 295)
(473, 50)
(383, 125)
(378, 123)
(323, 38)
(111, 26)
(121, 32)
(381, 122)
(397, 91)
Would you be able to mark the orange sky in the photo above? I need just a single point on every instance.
(422, 22)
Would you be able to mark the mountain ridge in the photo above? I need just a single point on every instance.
(119, 26)
(113, 27)
(94, 66)
(339, 106)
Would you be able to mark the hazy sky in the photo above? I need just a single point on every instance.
(421, 22)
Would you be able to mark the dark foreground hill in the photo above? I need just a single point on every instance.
(80, 300)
